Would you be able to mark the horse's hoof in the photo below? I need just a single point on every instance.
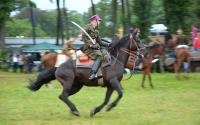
(186, 77)
(92, 112)
(30, 81)
(31, 88)
(109, 108)
(76, 113)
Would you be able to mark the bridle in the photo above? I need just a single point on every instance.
(129, 51)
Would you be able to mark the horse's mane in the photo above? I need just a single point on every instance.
(120, 42)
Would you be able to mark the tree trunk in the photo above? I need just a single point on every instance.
(123, 17)
(128, 14)
(93, 8)
(32, 22)
(2, 35)
(114, 17)
(65, 16)
(58, 22)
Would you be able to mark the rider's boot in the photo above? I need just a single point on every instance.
(95, 68)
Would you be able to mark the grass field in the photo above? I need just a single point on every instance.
(171, 102)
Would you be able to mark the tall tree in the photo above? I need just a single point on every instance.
(58, 29)
(128, 13)
(93, 8)
(157, 13)
(177, 14)
(22, 27)
(66, 20)
(6, 7)
(33, 20)
(114, 17)
(142, 9)
(123, 16)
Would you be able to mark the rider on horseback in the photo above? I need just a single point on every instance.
(95, 51)
(140, 47)
(181, 40)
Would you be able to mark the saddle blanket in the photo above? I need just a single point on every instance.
(61, 58)
(182, 46)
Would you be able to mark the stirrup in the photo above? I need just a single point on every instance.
(93, 76)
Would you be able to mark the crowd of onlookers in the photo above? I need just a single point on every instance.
(23, 63)
(30, 62)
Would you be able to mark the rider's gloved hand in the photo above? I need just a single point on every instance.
(140, 55)
(110, 44)
(94, 46)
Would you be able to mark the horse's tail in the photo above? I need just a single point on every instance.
(49, 60)
(43, 78)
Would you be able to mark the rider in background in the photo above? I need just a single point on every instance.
(135, 34)
(181, 40)
(95, 51)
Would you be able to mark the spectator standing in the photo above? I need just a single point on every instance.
(21, 63)
(194, 32)
(15, 62)
(29, 63)
(196, 43)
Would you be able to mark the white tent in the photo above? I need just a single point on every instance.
(158, 28)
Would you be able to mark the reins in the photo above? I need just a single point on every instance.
(130, 52)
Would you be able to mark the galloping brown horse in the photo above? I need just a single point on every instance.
(154, 49)
(73, 79)
(49, 60)
(183, 59)
(182, 54)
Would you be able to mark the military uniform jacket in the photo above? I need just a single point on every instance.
(181, 40)
(94, 34)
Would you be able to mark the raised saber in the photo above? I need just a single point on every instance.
(84, 32)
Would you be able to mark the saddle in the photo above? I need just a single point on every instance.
(83, 61)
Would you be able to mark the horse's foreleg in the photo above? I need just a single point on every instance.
(176, 68)
(115, 84)
(106, 100)
(186, 68)
(143, 80)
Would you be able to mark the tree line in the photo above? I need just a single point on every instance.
(116, 14)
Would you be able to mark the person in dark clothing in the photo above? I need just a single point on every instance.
(96, 50)
(29, 63)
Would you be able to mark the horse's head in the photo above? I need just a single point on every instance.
(129, 41)
(155, 48)
(126, 47)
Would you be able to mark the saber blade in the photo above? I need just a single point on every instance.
(83, 31)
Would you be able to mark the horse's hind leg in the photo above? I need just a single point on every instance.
(115, 84)
(186, 65)
(185, 68)
(64, 97)
(68, 89)
(177, 68)
(150, 80)
(106, 100)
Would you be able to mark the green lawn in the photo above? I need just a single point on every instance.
(171, 102)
